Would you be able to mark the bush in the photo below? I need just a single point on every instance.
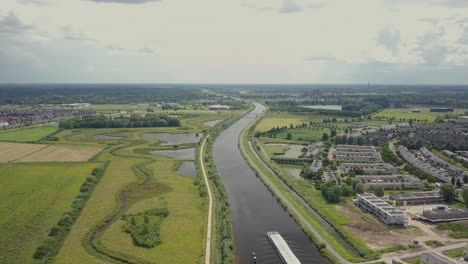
(144, 228)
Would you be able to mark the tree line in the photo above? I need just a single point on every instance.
(101, 121)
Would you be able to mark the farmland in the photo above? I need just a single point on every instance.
(27, 134)
(24, 152)
(61, 154)
(14, 151)
(404, 114)
(34, 196)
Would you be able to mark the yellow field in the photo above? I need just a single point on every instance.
(60, 153)
(23, 152)
(13, 151)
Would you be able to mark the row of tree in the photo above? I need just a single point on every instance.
(50, 247)
(101, 121)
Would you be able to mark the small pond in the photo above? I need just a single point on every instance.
(107, 137)
(211, 123)
(188, 153)
(296, 172)
(187, 169)
(325, 107)
(173, 139)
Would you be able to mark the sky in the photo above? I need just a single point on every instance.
(234, 41)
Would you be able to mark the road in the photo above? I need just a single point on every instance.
(210, 204)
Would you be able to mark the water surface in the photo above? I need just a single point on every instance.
(173, 139)
(188, 153)
(255, 211)
(187, 169)
(324, 107)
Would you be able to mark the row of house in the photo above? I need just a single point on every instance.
(452, 170)
(380, 209)
(353, 153)
(416, 198)
(369, 168)
(15, 116)
(391, 182)
(422, 165)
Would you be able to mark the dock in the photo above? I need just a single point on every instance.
(282, 248)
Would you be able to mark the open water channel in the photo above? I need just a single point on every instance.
(255, 211)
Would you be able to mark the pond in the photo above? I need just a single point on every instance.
(107, 137)
(293, 171)
(294, 151)
(187, 169)
(324, 107)
(211, 123)
(188, 153)
(173, 139)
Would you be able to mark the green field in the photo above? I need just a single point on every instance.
(272, 121)
(27, 134)
(304, 134)
(182, 232)
(404, 114)
(34, 197)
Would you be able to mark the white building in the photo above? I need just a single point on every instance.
(383, 211)
(4, 124)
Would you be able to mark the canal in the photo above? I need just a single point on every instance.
(255, 211)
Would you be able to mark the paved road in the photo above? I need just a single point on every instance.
(210, 205)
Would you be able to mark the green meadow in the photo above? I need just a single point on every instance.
(34, 197)
(27, 134)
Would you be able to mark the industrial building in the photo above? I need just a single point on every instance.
(417, 198)
(383, 211)
(444, 214)
(431, 258)
(352, 153)
(391, 182)
(369, 168)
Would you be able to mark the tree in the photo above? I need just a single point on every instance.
(289, 136)
(448, 192)
(359, 188)
(333, 133)
(375, 141)
(459, 183)
(346, 190)
(379, 191)
(325, 136)
(465, 197)
(360, 140)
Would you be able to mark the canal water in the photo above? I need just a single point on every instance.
(255, 211)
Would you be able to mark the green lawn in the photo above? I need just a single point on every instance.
(34, 197)
(406, 113)
(304, 134)
(27, 134)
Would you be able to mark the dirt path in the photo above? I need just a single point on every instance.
(210, 205)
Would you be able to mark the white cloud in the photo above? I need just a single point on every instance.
(300, 41)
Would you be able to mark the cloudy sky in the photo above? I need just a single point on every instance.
(234, 41)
